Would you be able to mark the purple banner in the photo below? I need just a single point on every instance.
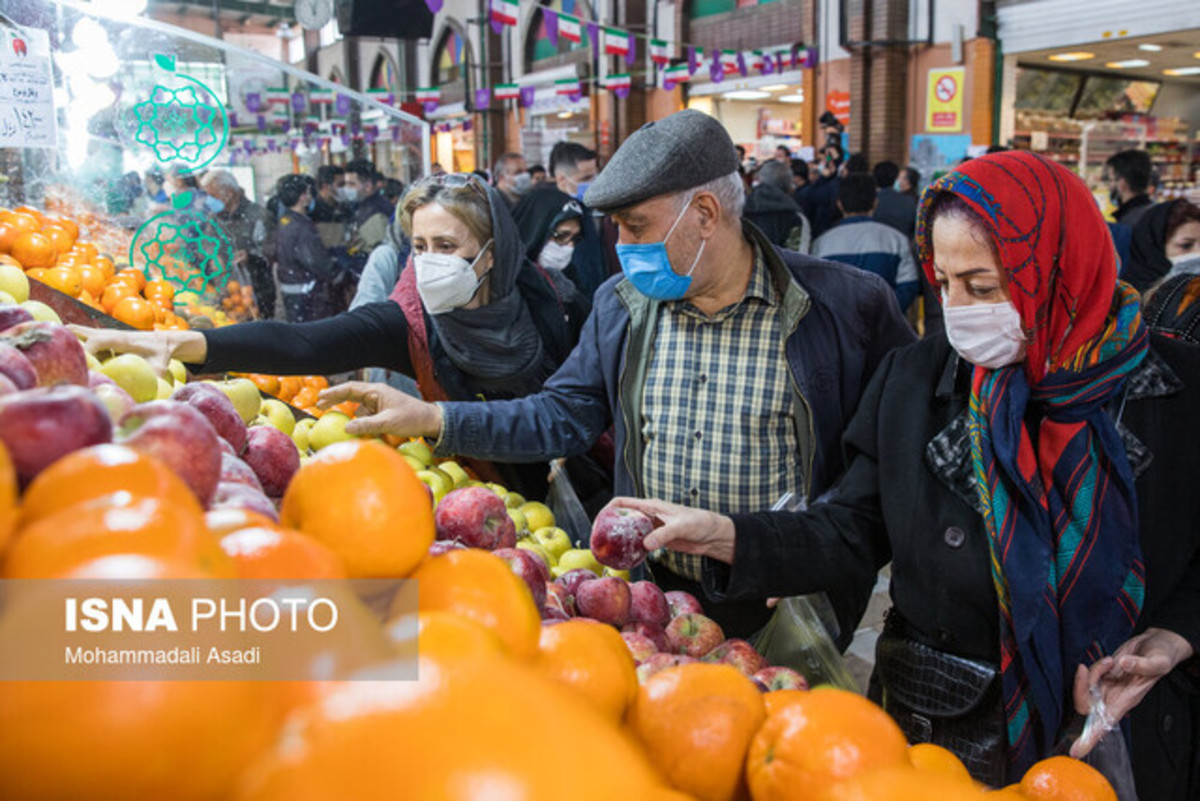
(248, 145)
(434, 5)
(550, 18)
(497, 26)
(694, 55)
(342, 105)
(253, 102)
(298, 104)
(808, 61)
(483, 98)
(768, 66)
(631, 56)
(621, 91)
(575, 97)
(741, 62)
(430, 106)
(232, 120)
(261, 122)
(271, 147)
(716, 70)
(467, 125)
(593, 32)
(345, 141)
(395, 133)
(527, 96)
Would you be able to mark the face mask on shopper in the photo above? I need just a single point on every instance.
(446, 282)
(347, 194)
(522, 184)
(648, 267)
(555, 256)
(213, 205)
(1184, 264)
(987, 335)
(582, 187)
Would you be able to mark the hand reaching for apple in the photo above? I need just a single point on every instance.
(156, 347)
(684, 529)
(389, 411)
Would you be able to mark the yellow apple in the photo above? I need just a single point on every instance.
(300, 433)
(415, 464)
(527, 543)
(7, 299)
(554, 540)
(92, 362)
(178, 371)
(621, 574)
(518, 521)
(278, 415)
(245, 396)
(538, 514)
(165, 388)
(580, 558)
(456, 472)
(438, 482)
(329, 429)
(134, 375)
(41, 312)
(14, 281)
(499, 489)
(418, 450)
(515, 500)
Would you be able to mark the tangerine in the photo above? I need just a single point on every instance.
(159, 289)
(135, 312)
(1061, 778)
(65, 279)
(34, 250)
(442, 636)
(696, 722)
(269, 552)
(591, 658)
(9, 512)
(59, 236)
(67, 224)
(265, 383)
(930, 758)
(37, 273)
(106, 265)
(289, 385)
(777, 699)
(226, 521)
(88, 250)
(362, 500)
(92, 278)
(902, 784)
(114, 293)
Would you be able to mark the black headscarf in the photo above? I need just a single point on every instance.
(1174, 308)
(538, 213)
(1148, 260)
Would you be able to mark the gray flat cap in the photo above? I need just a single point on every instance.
(684, 150)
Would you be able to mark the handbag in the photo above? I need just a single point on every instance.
(943, 699)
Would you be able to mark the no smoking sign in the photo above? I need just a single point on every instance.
(946, 88)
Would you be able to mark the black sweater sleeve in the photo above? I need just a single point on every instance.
(373, 335)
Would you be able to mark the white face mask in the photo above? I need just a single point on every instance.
(446, 282)
(555, 256)
(348, 194)
(988, 335)
(1184, 264)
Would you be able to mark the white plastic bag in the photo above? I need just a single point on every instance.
(568, 511)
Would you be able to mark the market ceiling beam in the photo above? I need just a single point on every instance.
(248, 8)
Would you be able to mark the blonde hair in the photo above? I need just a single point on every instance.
(468, 202)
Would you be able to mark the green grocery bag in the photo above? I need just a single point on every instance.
(797, 637)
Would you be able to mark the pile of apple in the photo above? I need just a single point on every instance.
(661, 629)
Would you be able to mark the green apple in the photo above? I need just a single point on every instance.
(278, 415)
(178, 371)
(538, 514)
(554, 540)
(528, 544)
(438, 482)
(134, 375)
(329, 429)
(418, 450)
(245, 396)
(518, 521)
(515, 500)
(300, 433)
(165, 388)
(14, 281)
(621, 574)
(92, 362)
(415, 464)
(456, 472)
(474, 483)
(7, 299)
(499, 489)
(41, 312)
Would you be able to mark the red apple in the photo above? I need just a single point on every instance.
(558, 598)
(16, 366)
(7, 387)
(640, 646)
(651, 632)
(227, 448)
(694, 635)
(235, 471)
(571, 580)
(40, 425)
(440, 547)
(216, 406)
(11, 315)
(476, 517)
(180, 436)
(530, 568)
(273, 456)
(240, 496)
(659, 662)
(605, 599)
(738, 653)
(683, 603)
(779, 678)
(54, 351)
(617, 537)
(649, 604)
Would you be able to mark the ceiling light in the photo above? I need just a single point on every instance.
(745, 94)
(1150, 48)
(1080, 55)
(1128, 64)
(1179, 72)
(565, 115)
(792, 99)
(775, 87)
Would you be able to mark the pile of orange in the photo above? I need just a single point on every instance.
(301, 391)
(238, 301)
(49, 249)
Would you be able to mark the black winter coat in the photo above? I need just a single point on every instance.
(908, 498)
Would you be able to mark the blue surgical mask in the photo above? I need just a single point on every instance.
(581, 187)
(648, 267)
(312, 204)
(213, 205)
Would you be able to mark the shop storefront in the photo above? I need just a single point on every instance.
(761, 113)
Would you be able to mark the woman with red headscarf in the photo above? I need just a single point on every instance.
(1029, 476)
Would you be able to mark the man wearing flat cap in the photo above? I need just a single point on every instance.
(727, 367)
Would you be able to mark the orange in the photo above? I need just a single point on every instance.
(159, 289)
(65, 280)
(1064, 779)
(483, 588)
(591, 658)
(1010, 793)
(8, 233)
(92, 279)
(59, 236)
(106, 266)
(131, 739)
(135, 567)
(114, 293)
(696, 722)
(98, 471)
(67, 224)
(268, 552)
(306, 397)
(348, 408)
(442, 636)
(363, 501)
(815, 742)
(777, 699)
(461, 730)
(226, 521)
(902, 784)
(317, 382)
(87, 250)
(37, 273)
(30, 211)
(265, 383)
(289, 385)
(34, 250)
(134, 311)
(116, 523)
(8, 498)
(930, 758)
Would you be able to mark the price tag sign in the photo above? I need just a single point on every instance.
(26, 89)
